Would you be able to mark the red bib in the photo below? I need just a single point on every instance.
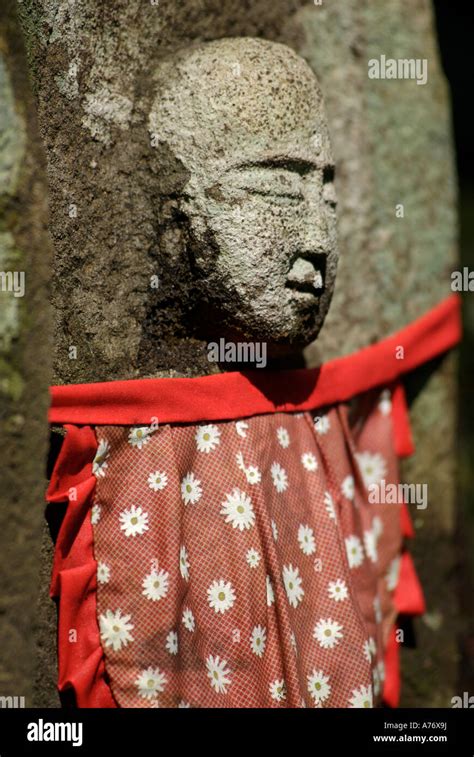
(224, 545)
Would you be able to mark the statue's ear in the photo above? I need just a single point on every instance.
(184, 246)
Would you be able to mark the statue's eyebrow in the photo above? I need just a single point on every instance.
(301, 166)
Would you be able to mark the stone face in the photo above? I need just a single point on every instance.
(248, 194)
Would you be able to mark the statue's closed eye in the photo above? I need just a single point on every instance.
(265, 182)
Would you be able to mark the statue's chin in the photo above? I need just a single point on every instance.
(283, 334)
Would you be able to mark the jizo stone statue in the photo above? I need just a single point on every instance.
(251, 477)
(246, 199)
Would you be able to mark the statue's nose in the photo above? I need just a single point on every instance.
(302, 272)
(308, 271)
(316, 236)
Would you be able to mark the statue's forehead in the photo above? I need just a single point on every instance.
(238, 98)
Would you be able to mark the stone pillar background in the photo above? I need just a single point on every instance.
(92, 65)
(25, 350)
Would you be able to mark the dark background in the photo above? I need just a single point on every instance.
(455, 22)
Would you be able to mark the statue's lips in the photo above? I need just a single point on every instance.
(307, 276)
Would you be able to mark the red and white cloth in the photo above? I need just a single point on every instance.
(224, 553)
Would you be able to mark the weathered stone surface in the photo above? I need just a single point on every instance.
(384, 134)
(94, 77)
(24, 369)
(430, 672)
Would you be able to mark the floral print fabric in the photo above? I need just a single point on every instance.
(240, 563)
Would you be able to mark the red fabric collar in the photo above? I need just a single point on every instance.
(236, 395)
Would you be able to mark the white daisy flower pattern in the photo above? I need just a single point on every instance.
(150, 683)
(156, 585)
(322, 424)
(253, 558)
(103, 573)
(240, 461)
(280, 479)
(115, 629)
(293, 643)
(378, 610)
(355, 551)
(253, 475)
(172, 643)
(241, 428)
(278, 690)
(258, 639)
(373, 467)
(157, 481)
(309, 461)
(134, 521)
(95, 514)
(370, 649)
(348, 488)
(219, 674)
(393, 571)
(370, 544)
(224, 520)
(207, 438)
(306, 540)
(377, 526)
(293, 585)
(338, 590)
(238, 510)
(221, 596)
(330, 508)
(191, 491)
(362, 697)
(385, 402)
(327, 633)
(184, 563)
(140, 436)
(99, 463)
(188, 620)
(251, 472)
(318, 686)
(270, 592)
(283, 437)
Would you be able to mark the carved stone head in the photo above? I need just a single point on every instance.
(247, 182)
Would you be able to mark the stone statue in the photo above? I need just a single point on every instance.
(246, 201)
(245, 216)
